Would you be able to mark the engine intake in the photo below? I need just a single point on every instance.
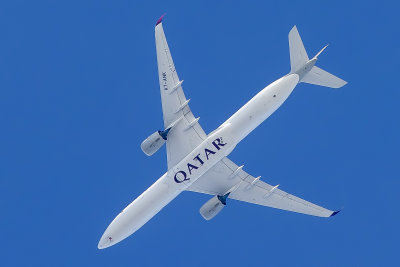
(213, 206)
(154, 142)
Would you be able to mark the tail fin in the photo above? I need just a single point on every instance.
(302, 65)
(298, 54)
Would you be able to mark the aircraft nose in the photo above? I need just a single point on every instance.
(105, 241)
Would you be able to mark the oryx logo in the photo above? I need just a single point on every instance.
(181, 176)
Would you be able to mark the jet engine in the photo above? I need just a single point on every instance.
(213, 206)
(154, 142)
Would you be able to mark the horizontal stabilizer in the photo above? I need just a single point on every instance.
(320, 77)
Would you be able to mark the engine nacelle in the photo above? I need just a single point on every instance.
(213, 207)
(154, 142)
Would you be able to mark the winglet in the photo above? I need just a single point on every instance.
(160, 19)
(334, 213)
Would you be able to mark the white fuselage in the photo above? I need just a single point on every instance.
(217, 146)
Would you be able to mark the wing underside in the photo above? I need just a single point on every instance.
(226, 175)
(186, 133)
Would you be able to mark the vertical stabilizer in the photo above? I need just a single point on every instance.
(298, 54)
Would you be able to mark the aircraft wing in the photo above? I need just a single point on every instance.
(186, 133)
(226, 175)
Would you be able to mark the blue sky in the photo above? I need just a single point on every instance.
(79, 92)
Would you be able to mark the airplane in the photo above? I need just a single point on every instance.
(199, 162)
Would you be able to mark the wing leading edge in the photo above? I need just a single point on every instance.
(226, 174)
(186, 133)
